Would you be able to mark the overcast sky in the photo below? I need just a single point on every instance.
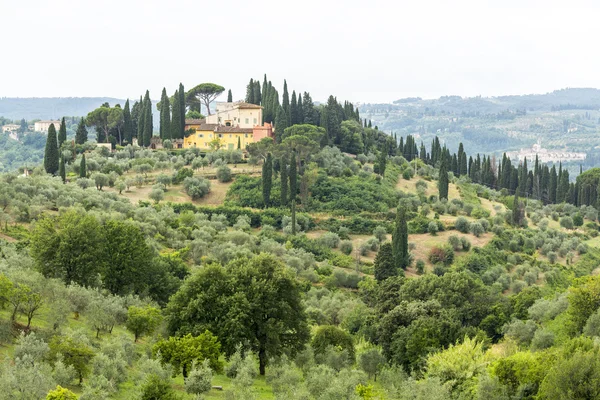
(363, 51)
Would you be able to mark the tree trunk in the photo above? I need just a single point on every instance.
(262, 361)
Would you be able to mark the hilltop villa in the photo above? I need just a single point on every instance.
(545, 155)
(42, 126)
(231, 124)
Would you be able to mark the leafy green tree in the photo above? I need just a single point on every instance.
(384, 265)
(329, 335)
(126, 258)
(577, 377)
(142, 320)
(183, 352)
(204, 93)
(158, 388)
(61, 393)
(199, 381)
(81, 135)
(61, 170)
(68, 247)
(255, 302)
(75, 353)
(400, 240)
(443, 182)
(62, 133)
(99, 119)
(267, 179)
(371, 361)
(51, 152)
(165, 116)
(82, 167)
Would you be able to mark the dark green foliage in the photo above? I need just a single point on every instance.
(165, 116)
(328, 335)
(443, 182)
(204, 94)
(183, 351)
(229, 96)
(400, 240)
(177, 125)
(267, 179)
(384, 263)
(148, 126)
(381, 163)
(157, 388)
(81, 135)
(254, 302)
(127, 124)
(82, 167)
(62, 133)
(281, 123)
(74, 353)
(51, 152)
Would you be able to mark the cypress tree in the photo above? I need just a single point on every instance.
(463, 164)
(384, 263)
(516, 212)
(284, 180)
(239, 143)
(61, 170)
(285, 103)
(127, 123)
(62, 133)
(229, 97)
(293, 177)
(176, 118)
(165, 116)
(300, 110)
(182, 111)
(267, 179)
(81, 134)
(250, 92)
(293, 109)
(141, 124)
(257, 95)
(280, 124)
(563, 187)
(147, 132)
(82, 167)
(400, 240)
(51, 151)
(553, 185)
(381, 162)
(443, 182)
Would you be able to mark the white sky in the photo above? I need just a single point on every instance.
(363, 51)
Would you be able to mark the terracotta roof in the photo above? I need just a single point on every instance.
(248, 105)
(232, 129)
(195, 121)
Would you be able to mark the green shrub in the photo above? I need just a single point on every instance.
(346, 247)
(441, 255)
(462, 225)
(224, 174)
(180, 175)
(432, 228)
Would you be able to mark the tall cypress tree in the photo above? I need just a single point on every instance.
(443, 182)
(62, 132)
(147, 132)
(293, 216)
(280, 124)
(257, 93)
(300, 110)
(51, 151)
(267, 179)
(553, 185)
(293, 177)
(82, 167)
(141, 124)
(250, 92)
(176, 120)
(284, 180)
(165, 116)
(293, 109)
(182, 108)
(384, 266)
(81, 135)
(400, 240)
(61, 170)
(127, 123)
(239, 143)
(285, 102)
(516, 212)
(229, 97)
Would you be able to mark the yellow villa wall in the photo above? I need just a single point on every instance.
(229, 141)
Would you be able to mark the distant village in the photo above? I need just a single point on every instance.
(545, 155)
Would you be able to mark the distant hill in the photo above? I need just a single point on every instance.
(51, 107)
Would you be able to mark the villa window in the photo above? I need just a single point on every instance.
(254, 121)
(220, 135)
(247, 120)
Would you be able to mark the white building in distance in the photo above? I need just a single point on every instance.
(42, 126)
(545, 155)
